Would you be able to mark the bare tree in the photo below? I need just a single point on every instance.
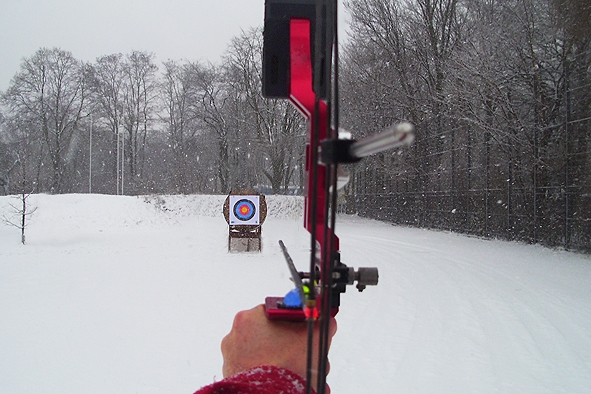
(498, 90)
(50, 93)
(183, 98)
(270, 129)
(107, 83)
(139, 97)
(21, 211)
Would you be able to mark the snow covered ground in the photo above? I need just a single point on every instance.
(133, 295)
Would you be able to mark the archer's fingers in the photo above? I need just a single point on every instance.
(332, 327)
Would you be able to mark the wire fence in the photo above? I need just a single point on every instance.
(485, 213)
(532, 186)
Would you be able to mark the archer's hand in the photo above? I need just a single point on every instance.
(255, 340)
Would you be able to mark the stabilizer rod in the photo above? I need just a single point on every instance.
(336, 151)
(396, 135)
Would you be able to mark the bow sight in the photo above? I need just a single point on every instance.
(278, 309)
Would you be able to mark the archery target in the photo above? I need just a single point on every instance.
(244, 210)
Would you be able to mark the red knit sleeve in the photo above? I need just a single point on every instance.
(262, 380)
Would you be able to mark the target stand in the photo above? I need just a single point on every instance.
(245, 211)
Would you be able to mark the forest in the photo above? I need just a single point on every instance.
(499, 92)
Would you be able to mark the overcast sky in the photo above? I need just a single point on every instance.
(171, 29)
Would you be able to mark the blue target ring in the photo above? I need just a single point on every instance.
(244, 210)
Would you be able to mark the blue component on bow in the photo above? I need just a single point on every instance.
(292, 299)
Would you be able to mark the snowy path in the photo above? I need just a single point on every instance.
(114, 295)
(471, 316)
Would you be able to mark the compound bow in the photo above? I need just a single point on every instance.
(300, 63)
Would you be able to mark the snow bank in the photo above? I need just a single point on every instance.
(278, 207)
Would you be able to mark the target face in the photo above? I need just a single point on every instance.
(244, 210)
